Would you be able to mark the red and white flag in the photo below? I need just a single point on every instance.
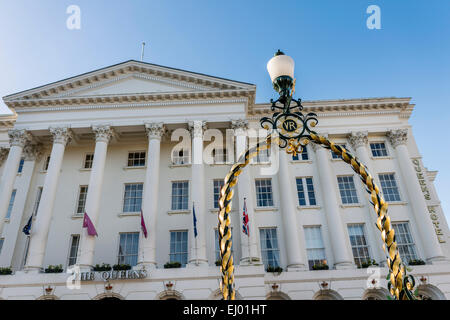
(143, 227)
(245, 226)
(87, 223)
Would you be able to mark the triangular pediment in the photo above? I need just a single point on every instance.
(129, 78)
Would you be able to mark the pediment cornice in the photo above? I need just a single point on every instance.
(131, 68)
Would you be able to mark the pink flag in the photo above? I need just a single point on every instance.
(87, 223)
(144, 229)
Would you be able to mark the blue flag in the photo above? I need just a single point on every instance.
(27, 227)
(195, 220)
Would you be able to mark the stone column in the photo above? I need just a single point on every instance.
(433, 251)
(39, 232)
(17, 140)
(31, 154)
(294, 247)
(197, 187)
(359, 142)
(147, 247)
(343, 258)
(249, 248)
(87, 244)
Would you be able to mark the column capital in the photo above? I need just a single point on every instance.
(19, 137)
(3, 154)
(239, 124)
(103, 133)
(358, 139)
(61, 135)
(197, 127)
(155, 130)
(32, 151)
(397, 137)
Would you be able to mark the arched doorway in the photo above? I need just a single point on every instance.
(430, 292)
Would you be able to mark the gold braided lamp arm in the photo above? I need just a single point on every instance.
(400, 285)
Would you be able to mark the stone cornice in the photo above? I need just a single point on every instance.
(160, 97)
(86, 80)
(346, 107)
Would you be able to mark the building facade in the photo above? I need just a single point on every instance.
(138, 138)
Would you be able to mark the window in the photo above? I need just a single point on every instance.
(220, 155)
(217, 184)
(25, 253)
(389, 187)
(263, 156)
(269, 247)
(1, 244)
(73, 251)
(180, 195)
(136, 159)
(37, 201)
(360, 248)
(22, 161)
(179, 247)
(378, 149)
(128, 248)
(132, 199)
(82, 199)
(301, 156)
(11, 204)
(216, 243)
(46, 163)
(264, 196)
(334, 155)
(180, 157)
(347, 190)
(405, 242)
(305, 198)
(315, 248)
(88, 161)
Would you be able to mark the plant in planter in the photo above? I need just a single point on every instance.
(416, 262)
(170, 265)
(54, 269)
(5, 271)
(320, 266)
(103, 267)
(121, 267)
(368, 264)
(274, 269)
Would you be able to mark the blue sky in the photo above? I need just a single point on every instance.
(336, 55)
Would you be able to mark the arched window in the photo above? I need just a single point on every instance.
(430, 292)
(376, 294)
(327, 295)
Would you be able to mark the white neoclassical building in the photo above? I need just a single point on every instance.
(137, 137)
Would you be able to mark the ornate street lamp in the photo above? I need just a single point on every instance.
(290, 129)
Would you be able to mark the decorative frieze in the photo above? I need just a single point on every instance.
(103, 133)
(397, 137)
(155, 130)
(358, 139)
(19, 137)
(61, 135)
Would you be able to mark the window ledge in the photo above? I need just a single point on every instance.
(220, 164)
(43, 171)
(19, 174)
(397, 203)
(77, 216)
(7, 220)
(379, 158)
(85, 169)
(351, 205)
(134, 167)
(261, 164)
(170, 212)
(179, 165)
(300, 161)
(309, 207)
(338, 159)
(215, 210)
(128, 214)
(266, 208)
